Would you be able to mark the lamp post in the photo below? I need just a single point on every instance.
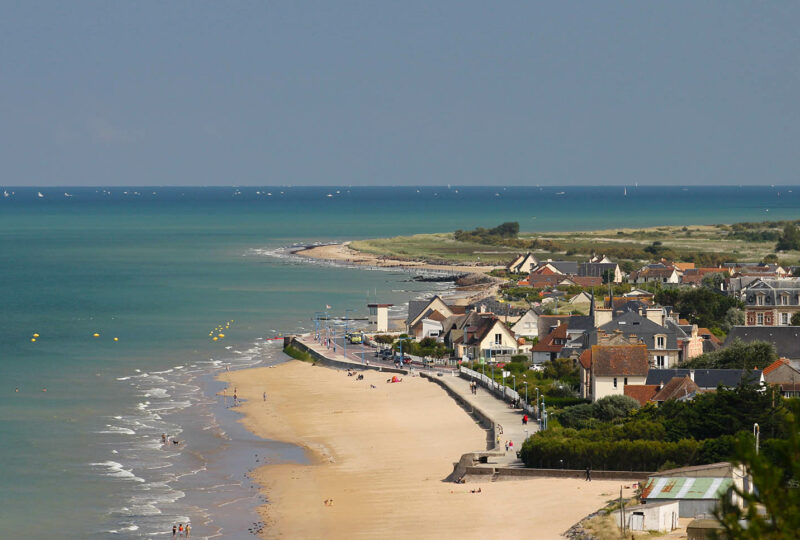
(537, 401)
(756, 434)
(514, 381)
(526, 392)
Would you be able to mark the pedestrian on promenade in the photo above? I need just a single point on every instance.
(525, 420)
(506, 446)
(588, 473)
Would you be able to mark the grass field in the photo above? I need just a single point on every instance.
(705, 244)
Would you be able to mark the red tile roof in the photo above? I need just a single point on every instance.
(547, 344)
(641, 392)
(775, 365)
(586, 359)
(677, 387)
(619, 360)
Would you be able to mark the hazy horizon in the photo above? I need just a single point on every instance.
(358, 94)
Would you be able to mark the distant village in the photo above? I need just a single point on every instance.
(627, 343)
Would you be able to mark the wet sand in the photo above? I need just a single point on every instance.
(381, 454)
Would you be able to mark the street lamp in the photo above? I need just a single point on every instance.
(526, 392)
(514, 380)
(756, 434)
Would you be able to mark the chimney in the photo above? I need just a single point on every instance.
(656, 315)
(691, 374)
(601, 316)
(483, 308)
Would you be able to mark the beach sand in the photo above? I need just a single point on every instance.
(344, 253)
(381, 454)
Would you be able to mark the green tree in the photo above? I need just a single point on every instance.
(612, 408)
(776, 479)
(790, 239)
(795, 320)
(738, 355)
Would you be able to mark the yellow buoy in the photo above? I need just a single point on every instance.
(222, 335)
(96, 334)
(116, 339)
(35, 335)
(215, 338)
(33, 339)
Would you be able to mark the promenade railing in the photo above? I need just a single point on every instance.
(502, 392)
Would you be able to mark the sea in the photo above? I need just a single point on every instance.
(110, 297)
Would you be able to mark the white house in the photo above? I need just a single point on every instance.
(486, 340)
(523, 264)
(528, 325)
(607, 369)
(378, 319)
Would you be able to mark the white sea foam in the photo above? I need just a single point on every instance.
(123, 378)
(117, 430)
(157, 392)
(117, 470)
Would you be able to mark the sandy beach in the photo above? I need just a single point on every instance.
(380, 451)
(344, 253)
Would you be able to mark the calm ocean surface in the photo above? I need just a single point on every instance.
(159, 268)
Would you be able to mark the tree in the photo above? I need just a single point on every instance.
(612, 408)
(738, 355)
(733, 317)
(795, 320)
(608, 276)
(776, 479)
(714, 281)
(790, 239)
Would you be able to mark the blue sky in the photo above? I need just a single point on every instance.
(379, 93)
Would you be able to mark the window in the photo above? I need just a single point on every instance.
(498, 339)
(661, 361)
(760, 319)
(760, 300)
(615, 382)
(784, 318)
(661, 342)
(626, 382)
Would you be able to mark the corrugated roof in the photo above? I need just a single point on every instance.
(686, 488)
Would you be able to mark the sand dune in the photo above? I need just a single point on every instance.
(381, 454)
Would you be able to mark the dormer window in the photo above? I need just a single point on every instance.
(661, 342)
(760, 299)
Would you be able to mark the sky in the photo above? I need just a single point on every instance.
(399, 93)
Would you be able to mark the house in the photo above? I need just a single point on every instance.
(711, 342)
(419, 309)
(656, 516)
(528, 325)
(581, 299)
(781, 373)
(642, 393)
(771, 302)
(677, 389)
(550, 346)
(522, 264)
(707, 379)
(378, 319)
(655, 275)
(689, 340)
(485, 340)
(600, 268)
(565, 268)
(605, 370)
(697, 489)
(661, 341)
(430, 326)
(785, 339)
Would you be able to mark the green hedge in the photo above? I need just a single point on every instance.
(624, 455)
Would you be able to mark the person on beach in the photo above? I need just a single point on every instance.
(265, 396)
(163, 438)
(174, 531)
(588, 473)
(188, 530)
(180, 529)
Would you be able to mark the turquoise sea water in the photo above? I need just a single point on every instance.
(159, 268)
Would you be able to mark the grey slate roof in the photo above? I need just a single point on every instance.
(644, 328)
(415, 308)
(771, 289)
(786, 339)
(707, 379)
(569, 268)
(595, 269)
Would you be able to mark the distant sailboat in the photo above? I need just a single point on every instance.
(67, 194)
(5, 193)
(39, 194)
(625, 191)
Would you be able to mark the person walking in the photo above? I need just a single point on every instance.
(588, 473)
(174, 531)
(525, 420)
(265, 396)
(188, 529)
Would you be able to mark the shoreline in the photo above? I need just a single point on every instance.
(381, 452)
